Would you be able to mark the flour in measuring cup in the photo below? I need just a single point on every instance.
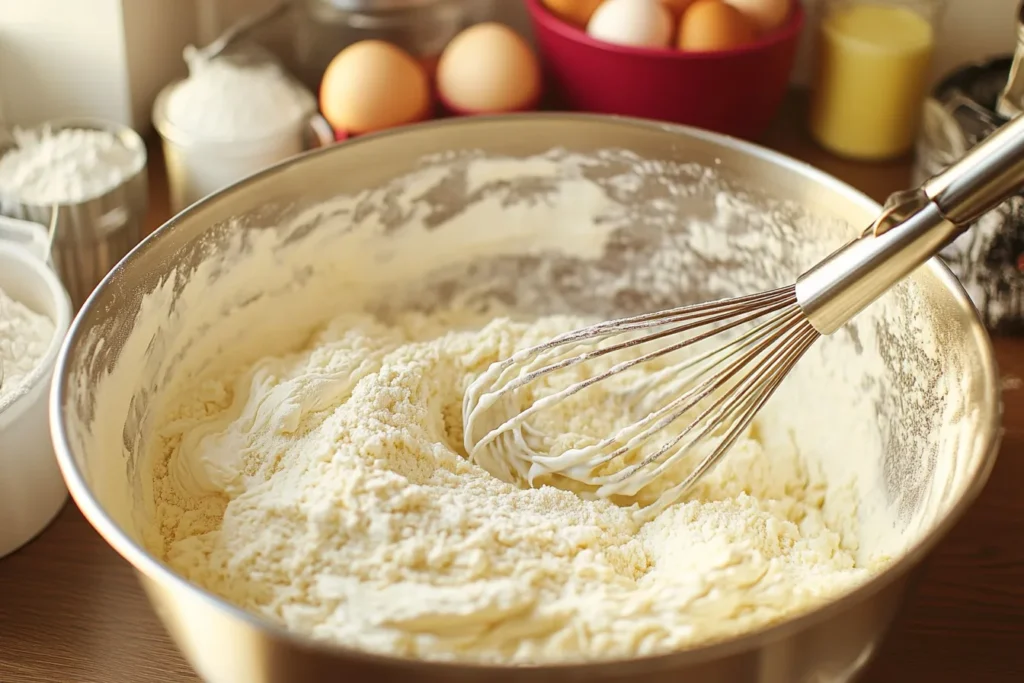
(65, 166)
(24, 338)
(227, 102)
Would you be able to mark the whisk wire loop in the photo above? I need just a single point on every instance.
(767, 334)
(744, 403)
(697, 315)
(663, 417)
(734, 379)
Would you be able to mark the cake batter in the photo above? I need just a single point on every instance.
(327, 491)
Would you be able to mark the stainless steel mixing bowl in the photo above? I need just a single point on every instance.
(99, 443)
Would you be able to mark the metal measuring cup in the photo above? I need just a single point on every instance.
(88, 238)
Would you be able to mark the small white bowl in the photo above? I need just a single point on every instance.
(32, 491)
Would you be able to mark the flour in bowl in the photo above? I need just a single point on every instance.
(24, 338)
(325, 490)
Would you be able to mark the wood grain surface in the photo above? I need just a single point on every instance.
(71, 610)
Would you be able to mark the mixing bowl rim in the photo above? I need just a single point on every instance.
(789, 31)
(155, 570)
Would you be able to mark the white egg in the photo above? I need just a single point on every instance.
(638, 23)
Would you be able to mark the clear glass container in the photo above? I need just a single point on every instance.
(422, 27)
(872, 74)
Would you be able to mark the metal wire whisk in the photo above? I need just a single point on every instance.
(725, 385)
(716, 393)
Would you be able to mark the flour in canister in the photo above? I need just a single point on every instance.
(65, 166)
(24, 338)
(325, 490)
(224, 101)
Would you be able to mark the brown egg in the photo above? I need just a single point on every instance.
(576, 12)
(488, 68)
(372, 85)
(712, 25)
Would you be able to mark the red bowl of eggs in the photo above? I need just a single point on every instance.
(711, 65)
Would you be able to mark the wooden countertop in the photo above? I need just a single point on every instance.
(71, 610)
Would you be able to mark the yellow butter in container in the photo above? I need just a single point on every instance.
(872, 75)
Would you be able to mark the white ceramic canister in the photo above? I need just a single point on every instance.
(198, 166)
(32, 490)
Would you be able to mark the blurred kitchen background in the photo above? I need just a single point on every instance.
(318, 72)
(108, 59)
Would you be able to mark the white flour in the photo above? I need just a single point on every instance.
(65, 166)
(352, 515)
(24, 338)
(222, 101)
(294, 431)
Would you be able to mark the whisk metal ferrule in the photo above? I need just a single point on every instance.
(851, 278)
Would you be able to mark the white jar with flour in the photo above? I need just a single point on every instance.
(232, 117)
(35, 312)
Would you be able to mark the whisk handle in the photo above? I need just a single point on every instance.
(992, 171)
(914, 226)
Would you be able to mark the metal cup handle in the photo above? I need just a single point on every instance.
(33, 237)
(318, 132)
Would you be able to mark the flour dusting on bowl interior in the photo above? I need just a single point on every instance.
(290, 406)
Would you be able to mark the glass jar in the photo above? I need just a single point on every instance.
(872, 73)
(421, 27)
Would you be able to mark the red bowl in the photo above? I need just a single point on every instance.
(736, 92)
